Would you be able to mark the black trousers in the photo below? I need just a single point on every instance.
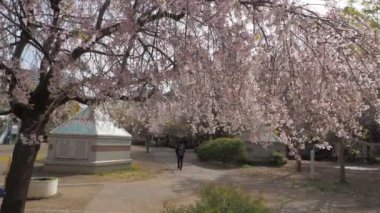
(179, 162)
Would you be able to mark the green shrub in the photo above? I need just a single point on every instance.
(277, 159)
(353, 155)
(225, 150)
(217, 199)
(373, 160)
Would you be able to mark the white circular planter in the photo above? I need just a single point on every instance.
(42, 187)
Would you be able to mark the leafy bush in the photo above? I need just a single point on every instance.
(225, 150)
(373, 160)
(277, 159)
(217, 199)
(353, 155)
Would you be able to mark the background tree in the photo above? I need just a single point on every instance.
(328, 81)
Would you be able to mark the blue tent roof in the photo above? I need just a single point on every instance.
(90, 122)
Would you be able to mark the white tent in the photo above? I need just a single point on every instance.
(90, 142)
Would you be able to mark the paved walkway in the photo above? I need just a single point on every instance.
(149, 195)
(282, 190)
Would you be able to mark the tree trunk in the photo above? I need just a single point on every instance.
(147, 144)
(341, 159)
(299, 165)
(365, 153)
(21, 170)
(298, 161)
(17, 182)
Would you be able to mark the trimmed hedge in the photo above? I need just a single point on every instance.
(374, 160)
(225, 150)
(218, 199)
(277, 159)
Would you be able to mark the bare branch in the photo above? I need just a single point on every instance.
(105, 53)
(79, 51)
(146, 46)
(48, 43)
(24, 38)
(135, 5)
(165, 14)
(93, 100)
(86, 101)
(6, 112)
(102, 10)
(255, 3)
(160, 14)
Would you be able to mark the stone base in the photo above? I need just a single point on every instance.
(42, 187)
(91, 168)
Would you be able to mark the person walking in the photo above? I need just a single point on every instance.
(180, 151)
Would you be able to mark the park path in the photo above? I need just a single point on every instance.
(282, 190)
(149, 195)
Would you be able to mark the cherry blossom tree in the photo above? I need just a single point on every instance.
(135, 117)
(56, 51)
(323, 78)
(306, 77)
(237, 58)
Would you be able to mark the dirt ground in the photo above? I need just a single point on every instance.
(158, 181)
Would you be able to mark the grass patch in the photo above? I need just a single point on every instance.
(133, 173)
(221, 199)
(4, 158)
(246, 166)
(40, 157)
(326, 186)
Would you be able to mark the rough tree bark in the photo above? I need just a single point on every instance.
(33, 122)
(147, 144)
(299, 165)
(298, 160)
(341, 159)
(21, 170)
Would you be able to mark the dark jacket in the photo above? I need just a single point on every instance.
(180, 150)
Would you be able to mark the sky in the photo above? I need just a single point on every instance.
(320, 5)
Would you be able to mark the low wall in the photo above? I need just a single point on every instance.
(85, 167)
(259, 153)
